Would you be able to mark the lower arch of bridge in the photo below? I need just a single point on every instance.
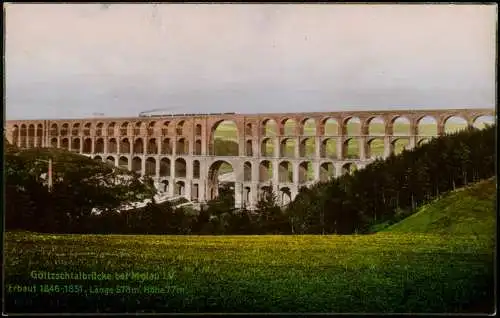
(349, 168)
(351, 148)
(98, 158)
(287, 148)
(111, 160)
(123, 162)
(247, 171)
(400, 144)
(99, 146)
(215, 171)
(224, 139)
(326, 171)
(306, 172)
(180, 188)
(137, 165)
(265, 171)
(307, 148)
(329, 148)
(267, 147)
(164, 167)
(64, 144)
(180, 168)
(285, 196)
(150, 167)
(285, 174)
(483, 121)
(375, 148)
(164, 186)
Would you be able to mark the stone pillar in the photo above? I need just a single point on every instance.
(92, 146)
(338, 169)
(238, 197)
(440, 129)
(241, 146)
(297, 147)
(171, 186)
(254, 194)
(276, 170)
(105, 144)
(129, 163)
(413, 142)
(202, 190)
(159, 145)
(81, 144)
(340, 148)
(317, 147)
(276, 147)
(58, 142)
(174, 146)
(143, 165)
(295, 167)
(172, 167)
(387, 146)
(255, 147)
(157, 168)
(362, 148)
(316, 168)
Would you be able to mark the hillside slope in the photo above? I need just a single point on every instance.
(467, 211)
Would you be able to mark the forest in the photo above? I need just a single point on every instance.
(365, 201)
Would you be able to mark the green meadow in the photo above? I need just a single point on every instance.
(438, 260)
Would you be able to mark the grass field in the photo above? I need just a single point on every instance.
(410, 267)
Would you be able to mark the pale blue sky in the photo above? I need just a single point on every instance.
(71, 60)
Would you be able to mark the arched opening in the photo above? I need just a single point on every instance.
(330, 127)
(423, 141)
(454, 124)
(482, 122)
(399, 145)
(285, 196)
(308, 127)
(164, 186)
(427, 126)
(289, 127)
(267, 148)
(138, 128)
(180, 188)
(124, 129)
(31, 136)
(123, 162)
(287, 148)
(326, 171)
(375, 148)
(329, 148)
(152, 146)
(112, 146)
(197, 147)
(111, 129)
(53, 143)
(64, 129)
(285, 173)
(165, 167)
(99, 146)
(195, 192)
(53, 130)
(75, 144)
(198, 130)
(351, 148)
(351, 127)
(110, 160)
(247, 171)
(349, 168)
(86, 129)
(182, 147)
(307, 148)
(15, 135)
(137, 165)
(306, 172)
(196, 169)
(265, 171)
(166, 146)
(87, 146)
(376, 126)
(150, 166)
(98, 158)
(269, 128)
(180, 128)
(24, 133)
(151, 128)
(246, 196)
(401, 126)
(75, 131)
(164, 128)
(225, 139)
(249, 148)
(248, 129)
(138, 146)
(98, 129)
(39, 135)
(180, 168)
(65, 143)
(220, 174)
(125, 146)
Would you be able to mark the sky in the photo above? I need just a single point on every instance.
(75, 60)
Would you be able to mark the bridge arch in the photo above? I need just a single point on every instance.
(224, 139)
(217, 170)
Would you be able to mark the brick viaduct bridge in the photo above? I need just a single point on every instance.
(178, 150)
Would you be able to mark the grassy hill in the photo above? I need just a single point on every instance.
(467, 211)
